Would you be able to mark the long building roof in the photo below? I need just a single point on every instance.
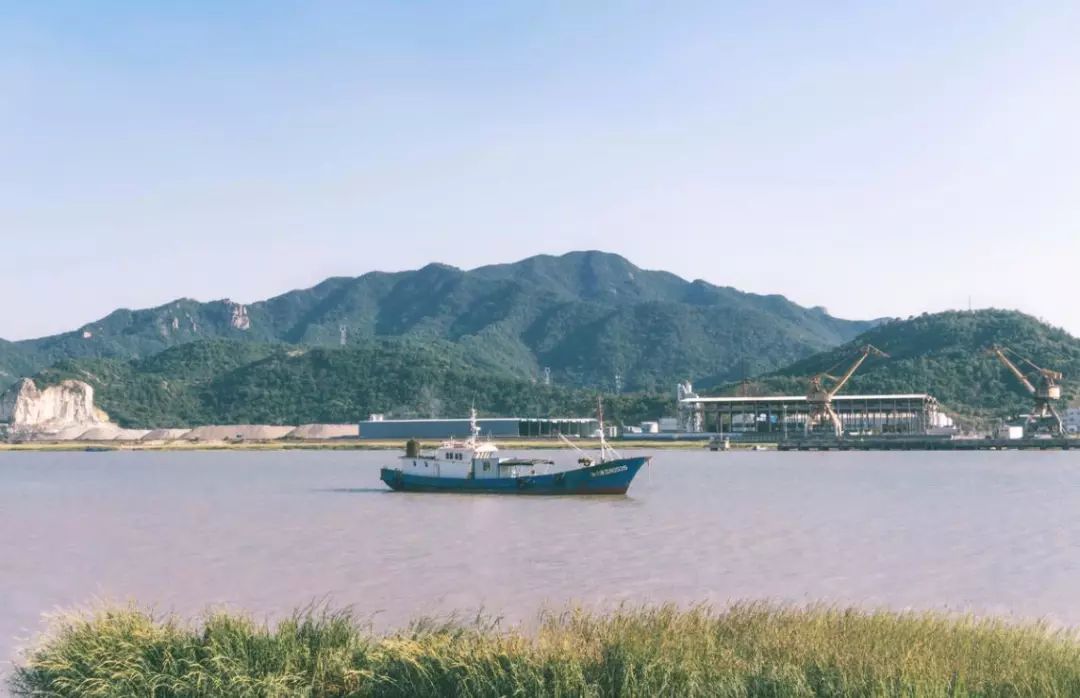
(800, 398)
(575, 420)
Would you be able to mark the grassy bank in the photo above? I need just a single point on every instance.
(748, 650)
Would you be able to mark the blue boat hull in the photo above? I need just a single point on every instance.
(611, 477)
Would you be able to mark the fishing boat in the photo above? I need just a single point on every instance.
(474, 466)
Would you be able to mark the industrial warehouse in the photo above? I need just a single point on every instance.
(775, 417)
(503, 427)
(747, 418)
(821, 410)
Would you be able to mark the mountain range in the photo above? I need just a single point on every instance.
(434, 341)
(585, 316)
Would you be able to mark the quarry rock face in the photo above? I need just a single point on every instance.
(239, 319)
(25, 407)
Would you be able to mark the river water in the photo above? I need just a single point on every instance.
(992, 533)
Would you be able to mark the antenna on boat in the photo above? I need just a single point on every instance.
(605, 450)
(474, 427)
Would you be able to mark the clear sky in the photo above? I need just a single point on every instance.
(875, 158)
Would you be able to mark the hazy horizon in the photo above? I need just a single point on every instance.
(882, 160)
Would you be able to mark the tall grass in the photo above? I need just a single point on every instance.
(746, 650)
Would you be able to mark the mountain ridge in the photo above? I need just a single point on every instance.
(586, 315)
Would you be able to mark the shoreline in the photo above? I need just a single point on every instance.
(338, 445)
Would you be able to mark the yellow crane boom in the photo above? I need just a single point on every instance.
(1043, 414)
(867, 350)
(1000, 353)
(819, 398)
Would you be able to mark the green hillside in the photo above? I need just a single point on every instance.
(14, 363)
(220, 382)
(943, 354)
(586, 315)
(223, 381)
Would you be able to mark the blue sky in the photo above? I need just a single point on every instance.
(874, 158)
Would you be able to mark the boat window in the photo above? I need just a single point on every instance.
(487, 465)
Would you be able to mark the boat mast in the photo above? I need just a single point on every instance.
(474, 428)
(605, 450)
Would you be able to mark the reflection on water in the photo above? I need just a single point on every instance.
(987, 532)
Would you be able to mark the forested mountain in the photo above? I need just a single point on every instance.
(227, 381)
(14, 363)
(586, 315)
(943, 354)
(222, 382)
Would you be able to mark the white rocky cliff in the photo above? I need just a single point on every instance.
(240, 319)
(26, 408)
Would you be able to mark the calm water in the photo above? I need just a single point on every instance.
(991, 533)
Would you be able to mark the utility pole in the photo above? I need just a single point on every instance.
(547, 375)
(618, 383)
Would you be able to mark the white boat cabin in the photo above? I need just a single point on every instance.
(469, 459)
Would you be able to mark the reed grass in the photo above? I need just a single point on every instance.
(742, 651)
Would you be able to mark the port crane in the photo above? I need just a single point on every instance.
(1045, 389)
(819, 397)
